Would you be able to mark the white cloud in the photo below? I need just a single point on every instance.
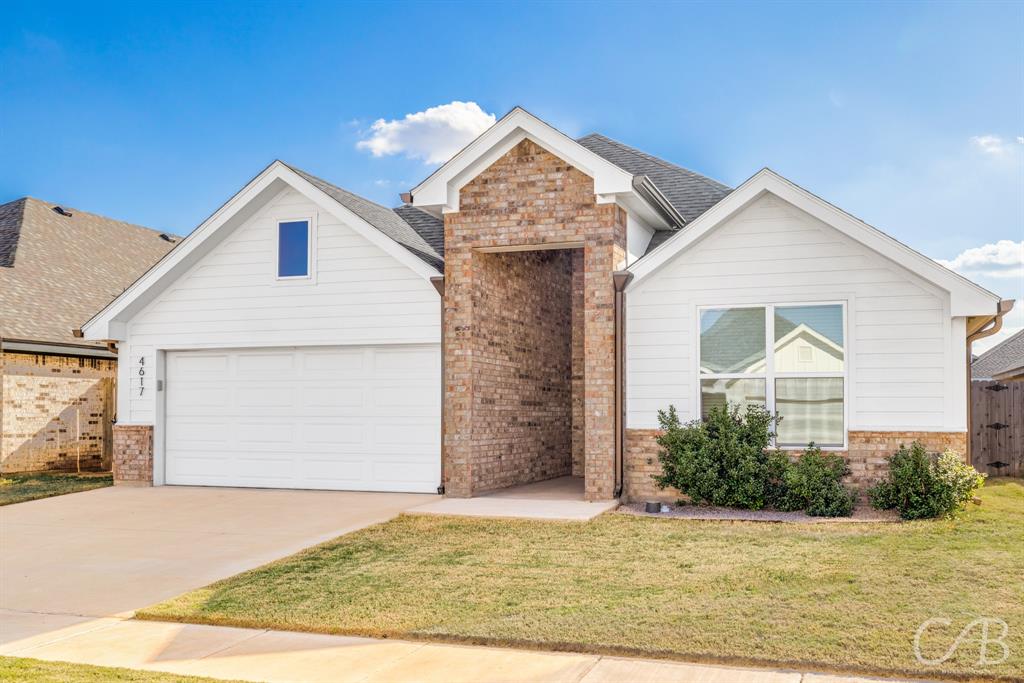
(433, 135)
(992, 144)
(1002, 259)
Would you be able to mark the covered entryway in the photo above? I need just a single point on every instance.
(355, 418)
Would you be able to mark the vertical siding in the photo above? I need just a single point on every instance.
(231, 298)
(902, 360)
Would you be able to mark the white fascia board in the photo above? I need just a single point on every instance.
(107, 325)
(966, 297)
(441, 188)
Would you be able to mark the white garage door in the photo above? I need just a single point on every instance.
(360, 418)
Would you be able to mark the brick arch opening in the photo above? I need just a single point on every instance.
(530, 327)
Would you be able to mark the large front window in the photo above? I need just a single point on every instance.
(789, 358)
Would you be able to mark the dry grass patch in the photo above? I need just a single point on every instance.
(840, 595)
(19, 488)
(19, 669)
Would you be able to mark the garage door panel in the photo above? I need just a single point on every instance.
(342, 364)
(198, 433)
(200, 364)
(339, 395)
(423, 364)
(253, 395)
(263, 365)
(411, 434)
(352, 418)
(350, 472)
(318, 435)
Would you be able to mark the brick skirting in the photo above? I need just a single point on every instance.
(867, 457)
(133, 455)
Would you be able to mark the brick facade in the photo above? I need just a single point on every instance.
(867, 456)
(868, 451)
(133, 455)
(522, 394)
(55, 412)
(528, 199)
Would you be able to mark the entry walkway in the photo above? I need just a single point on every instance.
(560, 498)
(280, 656)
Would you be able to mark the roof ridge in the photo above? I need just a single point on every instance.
(75, 210)
(716, 184)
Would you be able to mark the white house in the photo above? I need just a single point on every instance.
(524, 316)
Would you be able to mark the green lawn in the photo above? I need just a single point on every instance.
(18, 488)
(847, 595)
(36, 670)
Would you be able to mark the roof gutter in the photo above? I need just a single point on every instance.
(979, 327)
(650, 193)
(56, 348)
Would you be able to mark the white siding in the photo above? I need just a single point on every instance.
(232, 299)
(638, 236)
(903, 358)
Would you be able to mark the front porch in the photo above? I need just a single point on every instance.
(561, 498)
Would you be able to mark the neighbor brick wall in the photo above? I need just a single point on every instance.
(55, 412)
(133, 455)
(522, 392)
(867, 458)
(530, 197)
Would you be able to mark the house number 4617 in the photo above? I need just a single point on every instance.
(142, 375)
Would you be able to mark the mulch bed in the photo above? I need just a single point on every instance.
(862, 513)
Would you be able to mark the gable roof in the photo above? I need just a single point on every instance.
(690, 193)
(414, 229)
(1005, 357)
(966, 297)
(385, 228)
(56, 270)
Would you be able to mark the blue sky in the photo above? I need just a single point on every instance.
(909, 116)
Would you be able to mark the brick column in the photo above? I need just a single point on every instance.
(133, 455)
(601, 257)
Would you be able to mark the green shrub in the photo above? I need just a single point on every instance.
(920, 486)
(722, 460)
(814, 484)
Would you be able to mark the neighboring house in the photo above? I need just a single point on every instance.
(1004, 361)
(58, 265)
(296, 338)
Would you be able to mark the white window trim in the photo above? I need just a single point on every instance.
(770, 375)
(310, 276)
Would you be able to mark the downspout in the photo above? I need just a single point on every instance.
(438, 282)
(986, 329)
(620, 279)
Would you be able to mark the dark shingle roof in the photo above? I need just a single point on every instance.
(423, 234)
(1004, 357)
(56, 271)
(401, 226)
(690, 193)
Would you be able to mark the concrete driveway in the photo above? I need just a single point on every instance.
(111, 551)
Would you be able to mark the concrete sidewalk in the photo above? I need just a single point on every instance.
(280, 656)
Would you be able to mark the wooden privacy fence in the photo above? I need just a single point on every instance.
(997, 427)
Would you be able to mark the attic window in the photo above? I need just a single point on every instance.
(62, 211)
(293, 249)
